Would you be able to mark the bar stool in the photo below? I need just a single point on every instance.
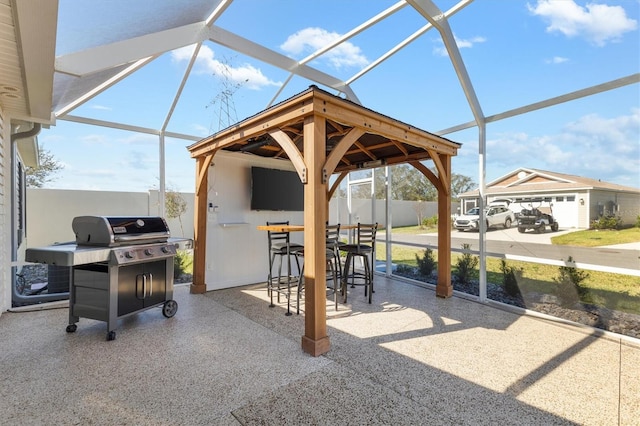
(363, 247)
(333, 243)
(331, 268)
(281, 247)
(332, 258)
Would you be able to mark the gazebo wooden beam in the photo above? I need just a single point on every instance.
(339, 150)
(292, 152)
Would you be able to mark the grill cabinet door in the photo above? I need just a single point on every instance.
(156, 282)
(140, 286)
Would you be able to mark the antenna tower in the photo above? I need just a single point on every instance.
(226, 112)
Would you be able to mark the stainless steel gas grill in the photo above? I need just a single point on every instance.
(120, 266)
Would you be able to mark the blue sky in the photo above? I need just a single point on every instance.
(515, 52)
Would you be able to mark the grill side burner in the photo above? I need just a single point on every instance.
(120, 266)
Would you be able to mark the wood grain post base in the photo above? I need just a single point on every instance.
(316, 347)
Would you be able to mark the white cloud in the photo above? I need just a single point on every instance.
(199, 129)
(95, 139)
(309, 40)
(592, 146)
(598, 23)
(247, 76)
(138, 160)
(101, 107)
(557, 60)
(138, 139)
(460, 42)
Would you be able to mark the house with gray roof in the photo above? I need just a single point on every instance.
(576, 201)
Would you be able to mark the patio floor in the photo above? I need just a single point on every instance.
(226, 358)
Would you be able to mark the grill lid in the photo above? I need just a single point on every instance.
(119, 230)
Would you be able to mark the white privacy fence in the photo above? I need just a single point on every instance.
(50, 211)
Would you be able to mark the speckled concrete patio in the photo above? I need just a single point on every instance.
(226, 358)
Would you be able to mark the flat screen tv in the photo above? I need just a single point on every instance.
(273, 189)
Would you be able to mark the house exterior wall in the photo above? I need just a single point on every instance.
(5, 216)
(584, 203)
(621, 204)
(565, 204)
(588, 205)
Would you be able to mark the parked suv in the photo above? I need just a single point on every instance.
(495, 216)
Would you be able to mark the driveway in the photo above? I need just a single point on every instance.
(511, 234)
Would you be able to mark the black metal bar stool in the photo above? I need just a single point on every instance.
(332, 257)
(280, 246)
(331, 268)
(363, 247)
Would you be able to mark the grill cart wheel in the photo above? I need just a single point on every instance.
(170, 308)
(71, 328)
(111, 335)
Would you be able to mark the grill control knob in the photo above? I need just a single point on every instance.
(148, 252)
(128, 255)
(165, 249)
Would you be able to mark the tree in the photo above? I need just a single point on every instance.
(37, 177)
(175, 206)
(409, 184)
(420, 210)
(460, 184)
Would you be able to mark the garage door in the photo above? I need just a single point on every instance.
(565, 211)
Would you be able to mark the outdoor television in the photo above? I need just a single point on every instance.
(274, 189)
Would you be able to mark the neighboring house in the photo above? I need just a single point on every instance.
(576, 201)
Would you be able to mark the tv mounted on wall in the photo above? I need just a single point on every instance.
(274, 189)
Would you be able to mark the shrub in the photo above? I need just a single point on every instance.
(466, 266)
(427, 263)
(510, 277)
(182, 264)
(430, 222)
(404, 269)
(607, 222)
(638, 222)
(569, 289)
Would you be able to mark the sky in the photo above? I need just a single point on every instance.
(515, 53)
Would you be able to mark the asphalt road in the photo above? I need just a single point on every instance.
(529, 244)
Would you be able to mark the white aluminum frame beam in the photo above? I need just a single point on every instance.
(455, 9)
(433, 14)
(582, 93)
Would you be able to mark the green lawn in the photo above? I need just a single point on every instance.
(595, 238)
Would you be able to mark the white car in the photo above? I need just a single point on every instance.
(496, 216)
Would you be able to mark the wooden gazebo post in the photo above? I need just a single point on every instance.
(315, 340)
(444, 288)
(198, 285)
(442, 182)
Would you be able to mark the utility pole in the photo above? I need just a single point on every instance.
(226, 112)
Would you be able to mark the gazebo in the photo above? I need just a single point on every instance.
(322, 135)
